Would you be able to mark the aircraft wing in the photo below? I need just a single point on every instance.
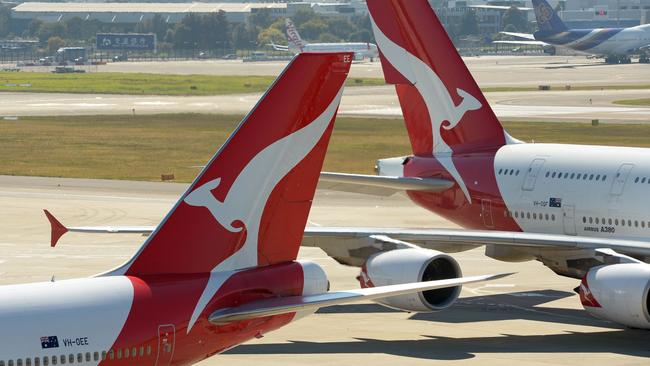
(352, 246)
(342, 243)
(380, 185)
(520, 35)
(292, 304)
(528, 43)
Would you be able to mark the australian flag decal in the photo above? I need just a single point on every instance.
(555, 202)
(49, 342)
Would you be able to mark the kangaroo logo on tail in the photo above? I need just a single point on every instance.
(246, 200)
(443, 111)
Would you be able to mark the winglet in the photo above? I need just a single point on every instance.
(57, 228)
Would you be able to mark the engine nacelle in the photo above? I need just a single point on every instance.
(314, 278)
(618, 293)
(412, 265)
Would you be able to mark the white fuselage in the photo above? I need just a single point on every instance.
(83, 316)
(595, 191)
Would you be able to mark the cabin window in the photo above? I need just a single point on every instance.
(609, 221)
(534, 216)
(19, 362)
(636, 223)
(591, 220)
(148, 350)
(528, 215)
(573, 175)
(55, 360)
(636, 180)
(578, 176)
(604, 177)
(591, 177)
(28, 362)
(584, 220)
(46, 361)
(11, 363)
(547, 174)
(546, 217)
(553, 176)
(598, 177)
(500, 171)
(517, 172)
(566, 175)
(629, 223)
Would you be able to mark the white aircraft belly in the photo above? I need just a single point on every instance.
(93, 309)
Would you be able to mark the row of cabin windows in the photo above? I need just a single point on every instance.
(509, 172)
(565, 175)
(80, 357)
(577, 176)
(530, 215)
(641, 180)
(615, 222)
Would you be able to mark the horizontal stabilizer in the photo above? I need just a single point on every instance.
(524, 43)
(520, 35)
(380, 185)
(292, 304)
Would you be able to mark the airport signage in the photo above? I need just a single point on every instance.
(126, 41)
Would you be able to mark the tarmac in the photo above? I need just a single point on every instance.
(530, 318)
(490, 71)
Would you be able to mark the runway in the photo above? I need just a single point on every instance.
(531, 318)
(489, 71)
(357, 101)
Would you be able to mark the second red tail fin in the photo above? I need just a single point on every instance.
(444, 109)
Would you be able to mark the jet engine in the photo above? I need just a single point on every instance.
(412, 265)
(619, 293)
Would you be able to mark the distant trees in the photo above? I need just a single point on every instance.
(5, 19)
(515, 17)
(469, 24)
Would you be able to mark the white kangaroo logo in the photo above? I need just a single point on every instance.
(440, 104)
(247, 197)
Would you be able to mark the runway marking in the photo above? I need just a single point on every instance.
(68, 195)
(155, 103)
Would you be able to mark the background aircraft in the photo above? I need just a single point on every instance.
(361, 50)
(221, 267)
(615, 44)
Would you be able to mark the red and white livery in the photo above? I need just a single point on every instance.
(221, 268)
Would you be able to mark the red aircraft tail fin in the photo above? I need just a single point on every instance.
(249, 205)
(444, 109)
